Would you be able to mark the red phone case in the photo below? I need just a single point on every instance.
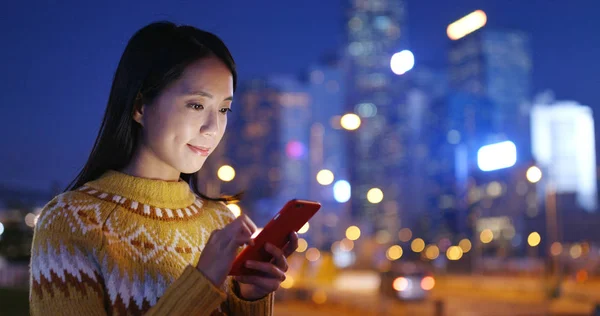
(290, 219)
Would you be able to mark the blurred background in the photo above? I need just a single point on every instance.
(451, 143)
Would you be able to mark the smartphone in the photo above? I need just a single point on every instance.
(290, 219)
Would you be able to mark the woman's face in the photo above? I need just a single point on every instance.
(187, 120)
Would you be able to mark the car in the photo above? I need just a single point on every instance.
(407, 282)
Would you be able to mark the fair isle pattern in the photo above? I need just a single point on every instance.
(64, 265)
(145, 209)
(93, 249)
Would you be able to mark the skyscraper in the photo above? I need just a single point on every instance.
(490, 76)
(374, 31)
(253, 147)
(564, 147)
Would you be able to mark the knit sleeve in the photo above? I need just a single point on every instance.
(66, 278)
(238, 306)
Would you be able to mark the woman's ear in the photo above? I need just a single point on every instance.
(138, 109)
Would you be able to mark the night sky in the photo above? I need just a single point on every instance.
(58, 58)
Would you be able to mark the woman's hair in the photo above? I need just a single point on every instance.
(155, 57)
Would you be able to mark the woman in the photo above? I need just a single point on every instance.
(130, 236)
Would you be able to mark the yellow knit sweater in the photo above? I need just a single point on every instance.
(123, 245)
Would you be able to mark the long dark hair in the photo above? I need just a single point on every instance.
(155, 57)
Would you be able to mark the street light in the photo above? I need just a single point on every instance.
(534, 174)
(402, 62)
(466, 25)
(226, 173)
(350, 121)
(325, 177)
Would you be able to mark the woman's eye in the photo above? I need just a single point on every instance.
(196, 106)
(225, 110)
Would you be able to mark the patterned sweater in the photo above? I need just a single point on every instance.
(123, 245)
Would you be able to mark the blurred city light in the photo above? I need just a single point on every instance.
(319, 296)
(494, 189)
(466, 25)
(394, 252)
(342, 191)
(405, 234)
(353, 233)
(497, 156)
(534, 239)
(383, 237)
(581, 276)
(432, 252)
(417, 245)
(295, 149)
(346, 244)
(465, 245)
(375, 195)
(304, 228)
(576, 251)
(366, 110)
(453, 137)
(226, 173)
(486, 236)
(400, 284)
(1, 229)
(302, 245)
(350, 121)
(30, 219)
(402, 62)
(288, 283)
(235, 209)
(556, 248)
(454, 253)
(534, 174)
(313, 254)
(325, 177)
(428, 283)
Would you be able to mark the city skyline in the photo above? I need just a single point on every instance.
(59, 69)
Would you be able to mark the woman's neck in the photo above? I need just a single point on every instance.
(144, 164)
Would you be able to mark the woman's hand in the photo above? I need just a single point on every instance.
(253, 287)
(222, 247)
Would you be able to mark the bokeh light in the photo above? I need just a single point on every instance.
(465, 245)
(375, 195)
(394, 252)
(486, 236)
(556, 249)
(226, 173)
(417, 245)
(350, 121)
(342, 191)
(454, 253)
(346, 244)
(534, 239)
(534, 174)
(325, 177)
(353, 233)
(428, 283)
(235, 209)
(302, 245)
(304, 229)
(405, 234)
(400, 284)
(432, 252)
(402, 62)
(313, 254)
